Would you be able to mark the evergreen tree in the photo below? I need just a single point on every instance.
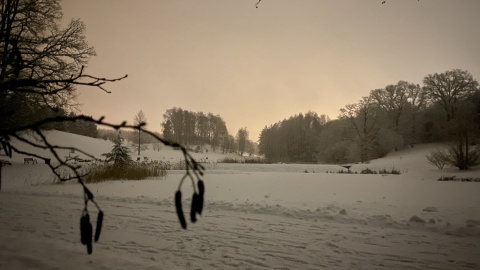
(294, 139)
(120, 154)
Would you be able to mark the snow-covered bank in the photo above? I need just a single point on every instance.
(43, 234)
(443, 205)
(257, 216)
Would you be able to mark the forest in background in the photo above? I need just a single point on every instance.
(445, 108)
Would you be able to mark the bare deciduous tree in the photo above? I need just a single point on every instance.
(392, 99)
(139, 119)
(242, 138)
(398, 101)
(363, 117)
(40, 66)
(449, 88)
(416, 103)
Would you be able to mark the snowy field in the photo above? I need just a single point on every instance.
(277, 216)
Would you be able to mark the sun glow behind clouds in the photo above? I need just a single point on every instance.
(254, 66)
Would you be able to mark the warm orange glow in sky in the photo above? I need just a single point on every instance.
(255, 67)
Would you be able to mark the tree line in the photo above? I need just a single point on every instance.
(193, 127)
(294, 139)
(182, 126)
(198, 128)
(187, 128)
(446, 108)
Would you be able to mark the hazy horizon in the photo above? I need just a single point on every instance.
(257, 66)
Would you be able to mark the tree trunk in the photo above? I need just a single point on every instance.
(139, 142)
(467, 162)
(412, 142)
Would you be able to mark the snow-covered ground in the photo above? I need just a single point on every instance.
(276, 216)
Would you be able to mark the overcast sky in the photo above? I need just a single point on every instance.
(257, 66)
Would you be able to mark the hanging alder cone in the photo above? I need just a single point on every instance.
(98, 229)
(178, 207)
(86, 232)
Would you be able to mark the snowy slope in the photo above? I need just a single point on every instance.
(97, 147)
(256, 217)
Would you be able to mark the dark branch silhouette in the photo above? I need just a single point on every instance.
(193, 169)
(41, 64)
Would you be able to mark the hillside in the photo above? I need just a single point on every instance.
(411, 162)
(97, 147)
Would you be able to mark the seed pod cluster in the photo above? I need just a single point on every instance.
(86, 232)
(196, 207)
(178, 207)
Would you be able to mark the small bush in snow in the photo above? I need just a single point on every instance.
(368, 171)
(343, 171)
(453, 178)
(457, 155)
(392, 171)
(438, 158)
(131, 171)
(447, 178)
(244, 160)
(177, 166)
(464, 157)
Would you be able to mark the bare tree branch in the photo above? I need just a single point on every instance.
(41, 63)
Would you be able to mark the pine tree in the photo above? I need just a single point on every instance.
(120, 154)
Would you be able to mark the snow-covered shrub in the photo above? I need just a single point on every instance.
(392, 171)
(462, 157)
(368, 171)
(438, 158)
(131, 171)
(459, 179)
(457, 155)
(247, 160)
